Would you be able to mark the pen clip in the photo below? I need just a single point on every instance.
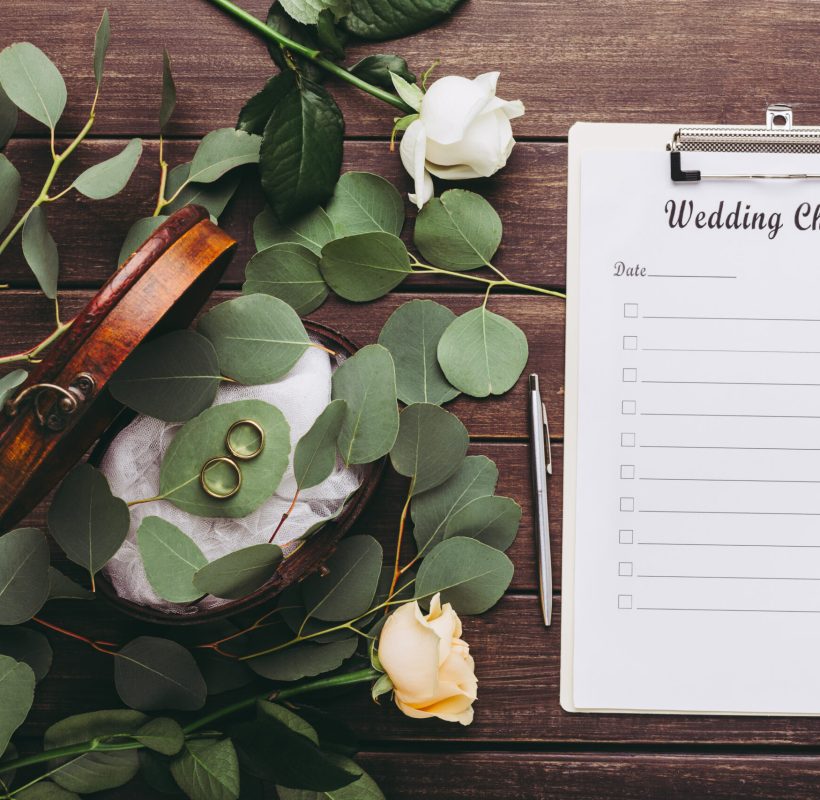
(547, 438)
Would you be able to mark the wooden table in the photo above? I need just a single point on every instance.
(638, 61)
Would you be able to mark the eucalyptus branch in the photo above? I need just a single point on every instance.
(285, 516)
(397, 571)
(97, 644)
(163, 180)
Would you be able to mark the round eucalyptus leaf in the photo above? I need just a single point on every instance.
(458, 231)
(152, 674)
(32, 82)
(16, 696)
(170, 559)
(86, 520)
(492, 520)
(109, 177)
(28, 646)
(8, 383)
(258, 338)
(347, 589)
(412, 334)
(313, 230)
(221, 151)
(240, 573)
(367, 383)
(303, 660)
(207, 770)
(8, 119)
(163, 735)
(293, 613)
(171, 378)
(61, 587)
(211, 196)
(365, 266)
(137, 234)
(430, 446)
(222, 674)
(315, 454)
(482, 353)
(365, 203)
(9, 190)
(204, 437)
(45, 790)
(40, 251)
(291, 273)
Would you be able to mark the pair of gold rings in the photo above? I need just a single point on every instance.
(221, 476)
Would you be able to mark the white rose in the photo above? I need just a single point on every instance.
(463, 131)
(430, 666)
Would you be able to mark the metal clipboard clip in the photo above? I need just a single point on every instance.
(778, 135)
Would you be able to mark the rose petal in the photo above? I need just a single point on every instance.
(484, 149)
(413, 150)
(451, 104)
(511, 108)
(409, 654)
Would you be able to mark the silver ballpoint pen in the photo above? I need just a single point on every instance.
(541, 455)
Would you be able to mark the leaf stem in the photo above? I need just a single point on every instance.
(31, 354)
(285, 516)
(98, 645)
(163, 180)
(397, 565)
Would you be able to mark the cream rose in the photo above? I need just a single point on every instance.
(463, 131)
(431, 668)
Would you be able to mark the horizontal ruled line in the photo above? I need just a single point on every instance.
(731, 319)
(740, 610)
(726, 447)
(664, 275)
(732, 577)
(730, 383)
(728, 544)
(740, 513)
(731, 480)
(729, 350)
(739, 416)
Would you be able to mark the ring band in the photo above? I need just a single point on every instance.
(245, 455)
(211, 462)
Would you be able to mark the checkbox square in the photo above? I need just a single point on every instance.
(627, 504)
(627, 440)
(628, 472)
(629, 407)
(630, 310)
(626, 536)
(630, 342)
(624, 601)
(630, 375)
(625, 569)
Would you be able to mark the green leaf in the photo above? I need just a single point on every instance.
(348, 588)
(409, 92)
(170, 559)
(28, 646)
(220, 151)
(289, 718)
(240, 573)
(9, 382)
(412, 334)
(430, 446)
(301, 153)
(94, 771)
(469, 574)
(169, 92)
(163, 735)
(382, 686)
(101, 39)
(291, 606)
(315, 455)
(431, 511)
(207, 770)
(492, 520)
(86, 520)
(313, 230)
(16, 697)
(482, 353)
(45, 790)
(156, 772)
(255, 114)
(458, 231)
(172, 378)
(110, 177)
(63, 588)
(8, 118)
(152, 673)
(365, 203)
(365, 788)
(376, 69)
(204, 436)
(9, 190)
(367, 383)
(221, 674)
(137, 234)
(40, 251)
(390, 19)
(280, 21)
(258, 338)
(32, 82)
(330, 37)
(304, 660)
(211, 196)
(307, 11)
(289, 272)
(365, 266)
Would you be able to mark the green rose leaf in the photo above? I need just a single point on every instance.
(16, 697)
(171, 378)
(431, 511)
(307, 11)
(163, 735)
(390, 19)
(152, 673)
(170, 559)
(8, 383)
(412, 334)
(101, 39)
(365, 203)
(207, 770)
(28, 646)
(332, 39)
(255, 114)
(365, 266)
(86, 520)
(61, 587)
(46, 790)
(289, 718)
(32, 82)
(376, 70)
(430, 446)
(315, 454)
(304, 660)
(459, 231)
(347, 591)
(492, 520)
(8, 118)
(482, 353)
(364, 788)
(313, 230)
(258, 338)
(409, 92)
(280, 21)
(469, 574)
(137, 234)
(204, 436)
(220, 151)
(40, 251)
(367, 383)
(94, 771)
(289, 272)
(9, 190)
(169, 92)
(240, 573)
(211, 196)
(301, 153)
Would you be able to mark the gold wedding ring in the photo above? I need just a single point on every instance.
(245, 439)
(219, 485)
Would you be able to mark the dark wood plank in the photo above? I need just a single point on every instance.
(529, 196)
(595, 59)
